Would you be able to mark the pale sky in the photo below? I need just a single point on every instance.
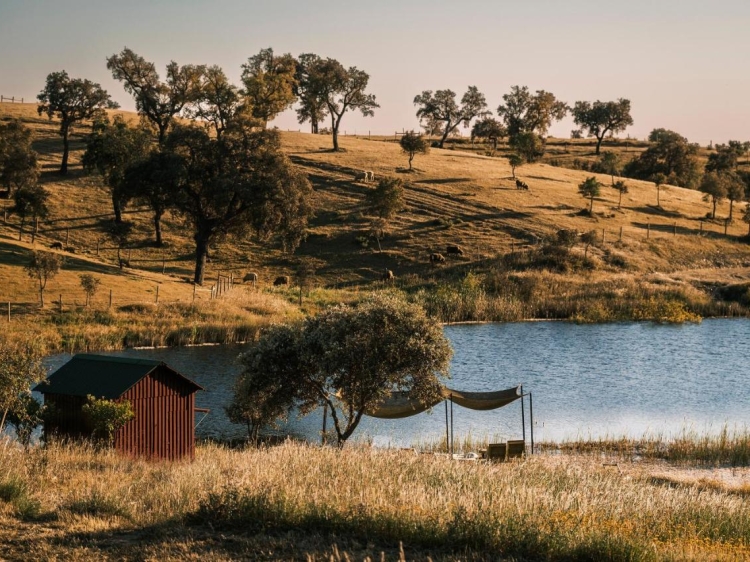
(684, 64)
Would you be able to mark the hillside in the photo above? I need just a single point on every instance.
(453, 197)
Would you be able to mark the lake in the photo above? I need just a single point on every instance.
(593, 380)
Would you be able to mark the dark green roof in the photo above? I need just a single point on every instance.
(101, 376)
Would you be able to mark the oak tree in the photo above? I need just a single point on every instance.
(590, 188)
(30, 203)
(490, 129)
(600, 118)
(441, 107)
(412, 144)
(269, 83)
(18, 161)
(157, 102)
(309, 91)
(43, 266)
(72, 100)
(524, 112)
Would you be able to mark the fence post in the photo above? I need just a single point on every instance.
(157, 294)
(97, 248)
(701, 233)
(67, 237)
(110, 298)
(604, 236)
(9, 312)
(726, 225)
(648, 230)
(620, 234)
(674, 229)
(60, 303)
(163, 265)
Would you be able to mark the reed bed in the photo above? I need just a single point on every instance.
(296, 500)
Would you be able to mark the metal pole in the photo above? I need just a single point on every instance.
(523, 417)
(447, 434)
(452, 425)
(531, 416)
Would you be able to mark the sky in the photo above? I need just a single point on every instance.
(684, 64)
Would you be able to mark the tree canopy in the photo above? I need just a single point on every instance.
(72, 100)
(490, 129)
(670, 154)
(270, 83)
(156, 101)
(590, 188)
(600, 118)
(237, 184)
(20, 367)
(43, 266)
(18, 161)
(348, 359)
(30, 203)
(441, 107)
(309, 91)
(524, 112)
(412, 144)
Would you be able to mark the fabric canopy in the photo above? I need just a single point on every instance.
(398, 405)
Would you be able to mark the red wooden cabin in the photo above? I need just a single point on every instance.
(162, 399)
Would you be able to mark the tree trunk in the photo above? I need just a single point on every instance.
(117, 208)
(41, 296)
(494, 145)
(591, 206)
(599, 144)
(619, 202)
(658, 193)
(731, 204)
(201, 251)
(162, 132)
(335, 122)
(157, 228)
(66, 149)
(445, 134)
(20, 228)
(411, 157)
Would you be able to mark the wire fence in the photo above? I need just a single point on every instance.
(12, 99)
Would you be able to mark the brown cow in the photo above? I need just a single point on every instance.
(454, 249)
(250, 278)
(281, 280)
(56, 245)
(387, 275)
(437, 258)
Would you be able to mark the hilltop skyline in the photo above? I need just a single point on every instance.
(683, 67)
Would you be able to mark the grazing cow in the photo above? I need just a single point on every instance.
(56, 246)
(437, 258)
(360, 175)
(370, 175)
(70, 249)
(521, 185)
(281, 280)
(251, 278)
(387, 275)
(452, 249)
(124, 263)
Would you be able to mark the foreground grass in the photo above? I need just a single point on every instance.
(294, 500)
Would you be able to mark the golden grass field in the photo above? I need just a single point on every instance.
(298, 502)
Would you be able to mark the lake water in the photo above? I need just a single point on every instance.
(587, 380)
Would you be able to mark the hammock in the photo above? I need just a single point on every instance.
(399, 405)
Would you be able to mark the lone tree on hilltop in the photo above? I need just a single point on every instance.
(237, 184)
(342, 89)
(412, 143)
(110, 149)
(18, 162)
(347, 359)
(590, 188)
(600, 118)
(72, 100)
(270, 82)
(441, 107)
(43, 266)
(490, 129)
(156, 101)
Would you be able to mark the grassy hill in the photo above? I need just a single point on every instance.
(454, 196)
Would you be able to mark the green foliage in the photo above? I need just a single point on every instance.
(621, 188)
(341, 89)
(110, 149)
(107, 417)
(590, 188)
(387, 198)
(724, 158)
(672, 155)
(312, 104)
(528, 145)
(600, 118)
(18, 162)
(158, 102)
(515, 161)
(237, 184)
(524, 112)
(412, 144)
(26, 417)
(90, 286)
(610, 163)
(30, 202)
(20, 367)
(72, 100)
(490, 129)
(218, 100)
(270, 82)
(714, 188)
(43, 266)
(346, 358)
(441, 107)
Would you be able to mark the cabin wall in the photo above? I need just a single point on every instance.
(164, 426)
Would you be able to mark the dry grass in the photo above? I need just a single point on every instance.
(293, 500)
